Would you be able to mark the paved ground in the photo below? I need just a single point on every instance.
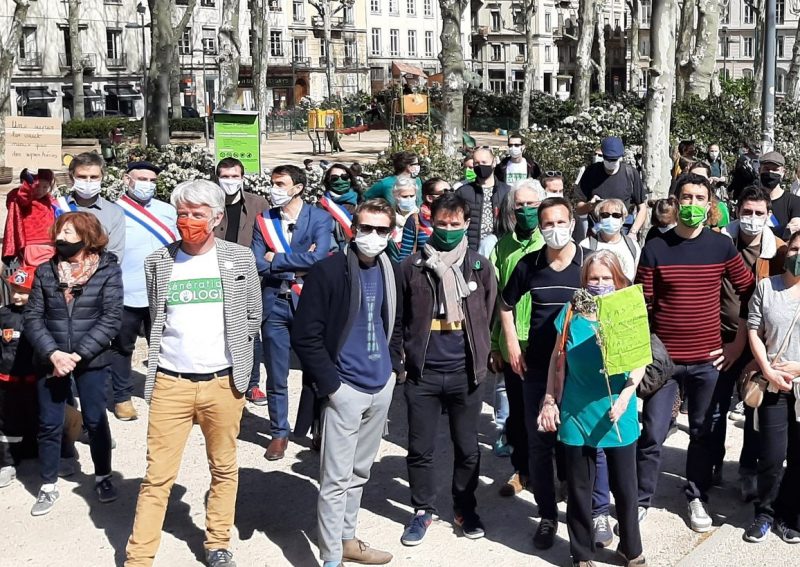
(275, 520)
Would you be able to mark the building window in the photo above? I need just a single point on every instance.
(375, 44)
(780, 83)
(521, 47)
(497, 52)
(350, 50)
(209, 41)
(298, 48)
(394, 42)
(548, 25)
(207, 3)
(412, 43)
(275, 6)
(519, 81)
(113, 44)
(497, 81)
(185, 42)
(647, 11)
(276, 43)
(323, 48)
(749, 13)
(748, 47)
(495, 21)
(548, 56)
(375, 6)
(27, 45)
(349, 15)
(725, 13)
(780, 11)
(779, 44)
(427, 7)
(377, 73)
(644, 47)
(393, 7)
(298, 11)
(411, 7)
(747, 73)
(428, 44)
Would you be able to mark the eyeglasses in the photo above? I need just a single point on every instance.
(369, 229)
(343, 177)
(553, 173)
(605, 215)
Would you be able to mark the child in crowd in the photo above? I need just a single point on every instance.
(18, 408)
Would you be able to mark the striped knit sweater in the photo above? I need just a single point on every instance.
(682, 281)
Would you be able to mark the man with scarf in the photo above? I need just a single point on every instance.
(340, 201)
(448, 293)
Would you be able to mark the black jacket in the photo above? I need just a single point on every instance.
(87, 328)
(418, 309)
(325, 315)
(16, 353)
(473, 194)
(534, 171)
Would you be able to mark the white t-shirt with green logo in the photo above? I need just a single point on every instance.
(193, 339)
(516, 172)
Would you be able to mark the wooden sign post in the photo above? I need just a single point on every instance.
(33, 142)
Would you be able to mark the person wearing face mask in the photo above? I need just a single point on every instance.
(340, 201)
(419, 227)
(346, 334)
(549, 276)
(514, 167)
(785, 219)
(484, 195)
(404, 194)
(609, 215)
(86, 173)
(205, 302)
(30, 214)
(763, 254)
(405, 165)
(682, 273)
(719, 171)
(288, 240)
(149, 225)
(449, 294)
(73, 313)
(614, 179)
(576, 406)
(241, 207)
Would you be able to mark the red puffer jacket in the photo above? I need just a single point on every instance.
(29, 220)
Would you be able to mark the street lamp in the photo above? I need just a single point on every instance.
(725, 51)
(140, 9)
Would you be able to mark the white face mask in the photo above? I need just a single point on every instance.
(86, 189)
(558, 236)
(667, 228)
(611, 166)
(598, 159)
(515, 152)
(143, 190)
(414, 170)
(407, 204)
(230, 186)
(713, 155)
(753, 225)
(549, 195)
(280, 197)
(370, 244)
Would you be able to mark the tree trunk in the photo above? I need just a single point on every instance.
(8, 54)
(76, 56)
(758, 59)
(260, 24)
(636, 71)
(230, 51)
(794, 68)
(583, 71)
(175, 100)
(704, 58)
(529, 11)
(601, 47)
(684, 63)
(656, 158)
(452, 59)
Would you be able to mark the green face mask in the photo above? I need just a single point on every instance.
(692, 215)
(527, 218)
(792, 264)
(445, 240)
(469, 174)
(340, 186)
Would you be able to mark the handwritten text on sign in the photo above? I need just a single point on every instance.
(33, 142)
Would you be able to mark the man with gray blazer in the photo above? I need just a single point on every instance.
(205, 307)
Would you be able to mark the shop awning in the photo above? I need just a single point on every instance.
(88, 93)
(122, 91)
(36, 93)
(399, 69)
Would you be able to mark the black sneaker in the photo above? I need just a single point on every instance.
(470, 525)
(545, 535)
(106, 492)
(219, 558)
(786, 533)
(758, 530)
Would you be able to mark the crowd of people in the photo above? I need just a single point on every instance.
(439, 290)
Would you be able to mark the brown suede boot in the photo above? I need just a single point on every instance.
(357, 551)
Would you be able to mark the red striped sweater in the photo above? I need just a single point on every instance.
(682, 281)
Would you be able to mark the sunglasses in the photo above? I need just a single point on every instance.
(605, 215)
(343, 177)
(552, 174)
(514, 145)
(369, 229)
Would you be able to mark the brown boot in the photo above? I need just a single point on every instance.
(515, 485)
(277, 449)
(124, 411)
(357, 551)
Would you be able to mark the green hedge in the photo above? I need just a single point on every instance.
(100, 127)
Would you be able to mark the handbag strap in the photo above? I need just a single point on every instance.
(787, 338)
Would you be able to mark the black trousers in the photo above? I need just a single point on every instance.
(425, 398)
(516, 435)
(122, 348)
(581, 465)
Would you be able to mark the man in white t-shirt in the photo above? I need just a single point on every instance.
(205, 307)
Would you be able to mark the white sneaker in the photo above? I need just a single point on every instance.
(67, 467)
(699, 520)
(7, 476)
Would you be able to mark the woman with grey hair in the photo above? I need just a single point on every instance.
(609, 215)
(404, 194)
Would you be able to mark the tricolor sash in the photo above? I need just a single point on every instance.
(148, 220)
(272, 232)
(61, 205)
(339, 214)
(425, 225)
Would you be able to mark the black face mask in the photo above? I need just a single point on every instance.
(68, 249)
(770, 179)
(483, 171)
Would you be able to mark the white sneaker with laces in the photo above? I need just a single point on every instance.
(699, 520)
(7, 476)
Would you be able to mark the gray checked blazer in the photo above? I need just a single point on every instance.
(241, 290)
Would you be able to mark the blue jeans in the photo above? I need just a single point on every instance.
(275, 338)
(656, 417)
(601, 497)
(500, 404)
(258, 358)
(54, 393)
(721, 403)
(122, 348)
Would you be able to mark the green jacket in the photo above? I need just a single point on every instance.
(382, 189)
(505, 256)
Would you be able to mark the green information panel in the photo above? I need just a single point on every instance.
(236, 135)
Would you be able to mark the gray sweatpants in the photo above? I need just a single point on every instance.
(352, 427)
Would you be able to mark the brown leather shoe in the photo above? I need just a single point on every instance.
(357, 551)
(124, 411)
(277, 449)
(514, 486)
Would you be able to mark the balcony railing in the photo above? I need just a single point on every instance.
(87, 61)
(301, 61)
(30, 61)
(118, 62)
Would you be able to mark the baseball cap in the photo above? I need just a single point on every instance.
(612, 147)
(22, 278)
(772, 157)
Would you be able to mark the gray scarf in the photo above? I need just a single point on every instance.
(447, 267)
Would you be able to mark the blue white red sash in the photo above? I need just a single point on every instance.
(339, 214)
(61, 205)
(425, 225)
(272, 231)
(148, 220)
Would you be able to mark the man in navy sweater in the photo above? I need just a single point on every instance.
(345, 322)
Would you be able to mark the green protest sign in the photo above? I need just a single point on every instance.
(236, 135)
(624, 330)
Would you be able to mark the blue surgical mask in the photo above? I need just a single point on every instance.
(609, 226)
(407, 204)
(143, 190)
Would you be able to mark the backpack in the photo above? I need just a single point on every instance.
(593, 242)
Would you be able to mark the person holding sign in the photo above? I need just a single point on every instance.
(288, 239)
(149, 225)
(594, 413)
